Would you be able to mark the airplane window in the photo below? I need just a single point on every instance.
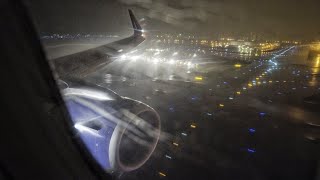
(182, 89)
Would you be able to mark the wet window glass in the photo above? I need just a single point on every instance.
(182, 89)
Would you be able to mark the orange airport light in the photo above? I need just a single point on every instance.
(162, 174)
(176, 144)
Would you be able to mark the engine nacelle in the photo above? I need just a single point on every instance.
(119, 132)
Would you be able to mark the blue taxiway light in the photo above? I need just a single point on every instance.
(262, 113)
(251, 150)
(252, 130)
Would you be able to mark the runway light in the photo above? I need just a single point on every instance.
(162, 174)
(221, 105)
(238, 92)
(259, 82)
(270, 81)
(198, 78)
(250, 85)
(183, 134)
(193, 126)
(176, 144)
(134, 58)
(237, 65)
(257, 78)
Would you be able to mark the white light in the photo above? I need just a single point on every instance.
(175, 53)
(134, 57)
(133, 51)
(194, 55)
(83, 129)
(123, 56)
(155, 60)
(87, 93)
(183, 134)
(171, 61)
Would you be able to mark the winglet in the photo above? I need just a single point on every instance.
(136, 26)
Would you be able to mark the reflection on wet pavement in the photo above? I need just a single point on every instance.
(248, 121)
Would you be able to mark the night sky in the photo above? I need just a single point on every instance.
(283, 18)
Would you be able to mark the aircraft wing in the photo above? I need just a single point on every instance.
(80, 64)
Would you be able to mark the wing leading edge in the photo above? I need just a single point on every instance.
(80, 64)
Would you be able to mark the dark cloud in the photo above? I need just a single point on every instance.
(181, 13)
(285, 18)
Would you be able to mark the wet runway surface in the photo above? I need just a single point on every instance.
(220, 121)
